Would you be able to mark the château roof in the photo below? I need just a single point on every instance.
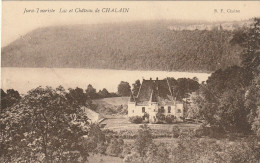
(155, 91)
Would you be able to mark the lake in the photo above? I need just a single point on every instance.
(24, 79)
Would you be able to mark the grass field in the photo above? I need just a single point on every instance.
(97, 158)
(122, 123)
(112, 101)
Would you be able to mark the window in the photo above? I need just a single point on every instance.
(179, 111)
(143, 109)
(169, 109)
(133, 111)
(162, 109)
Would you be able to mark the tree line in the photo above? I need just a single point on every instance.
(229, 100)
(148, 47)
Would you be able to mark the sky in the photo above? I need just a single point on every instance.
(15, 23)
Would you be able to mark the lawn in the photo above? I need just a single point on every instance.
(112, 101)
(97, 158)
(122, 123)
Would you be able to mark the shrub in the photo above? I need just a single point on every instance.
(170, 119)
(136, 119)
(115, 147)
(176, 132)
(160, 117)
(143, 140)
(127, 149)
(101, 148)
(201, 131)
(133, 157)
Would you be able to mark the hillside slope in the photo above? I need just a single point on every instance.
(132, 46)
(112, 101)
(111, 106)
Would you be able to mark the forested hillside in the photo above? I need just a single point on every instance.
(133, 45)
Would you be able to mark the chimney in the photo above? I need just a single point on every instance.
(150, 78)
(157, 78)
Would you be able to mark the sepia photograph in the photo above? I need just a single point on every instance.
(130, 82)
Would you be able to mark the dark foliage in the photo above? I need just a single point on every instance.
(44, 126)
(150, 46)
(176, 132)
(136, 119)
(77, 96)
(124, 89)
(103, 93)
(91, 92)
(9, 98)
(232, 78)
(221, 101)
(136, 87)
(143, 140)
(170, 119)
(160, 117)
(115, 147)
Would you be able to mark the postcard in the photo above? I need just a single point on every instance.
(130, 81)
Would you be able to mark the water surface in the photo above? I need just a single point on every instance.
(24, 79)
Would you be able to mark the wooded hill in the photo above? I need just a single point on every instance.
(133, 46)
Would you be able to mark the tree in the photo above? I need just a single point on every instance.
(221, 102)
(162, 154)
(136, 87)
(253, 105)
(251, 56)
(143, 140)
(3, 104)
(249, 40)
(183, 86)
(44, 126)
(231, 112)
(9, 98)
(115, 147)
(233, 77)
(77, 96)
(124, 89)
(91, 92)
(195, 79)
(104, 93)
(95, 140)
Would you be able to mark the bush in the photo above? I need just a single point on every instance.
(176, 132)
(101, 148)
(143, 140)
(160, 117)
(127, 150)
(170, 119)
(201, 131)
(136, 119)
(115, 147)
(133, 157)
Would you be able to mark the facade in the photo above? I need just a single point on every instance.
(155, 96)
